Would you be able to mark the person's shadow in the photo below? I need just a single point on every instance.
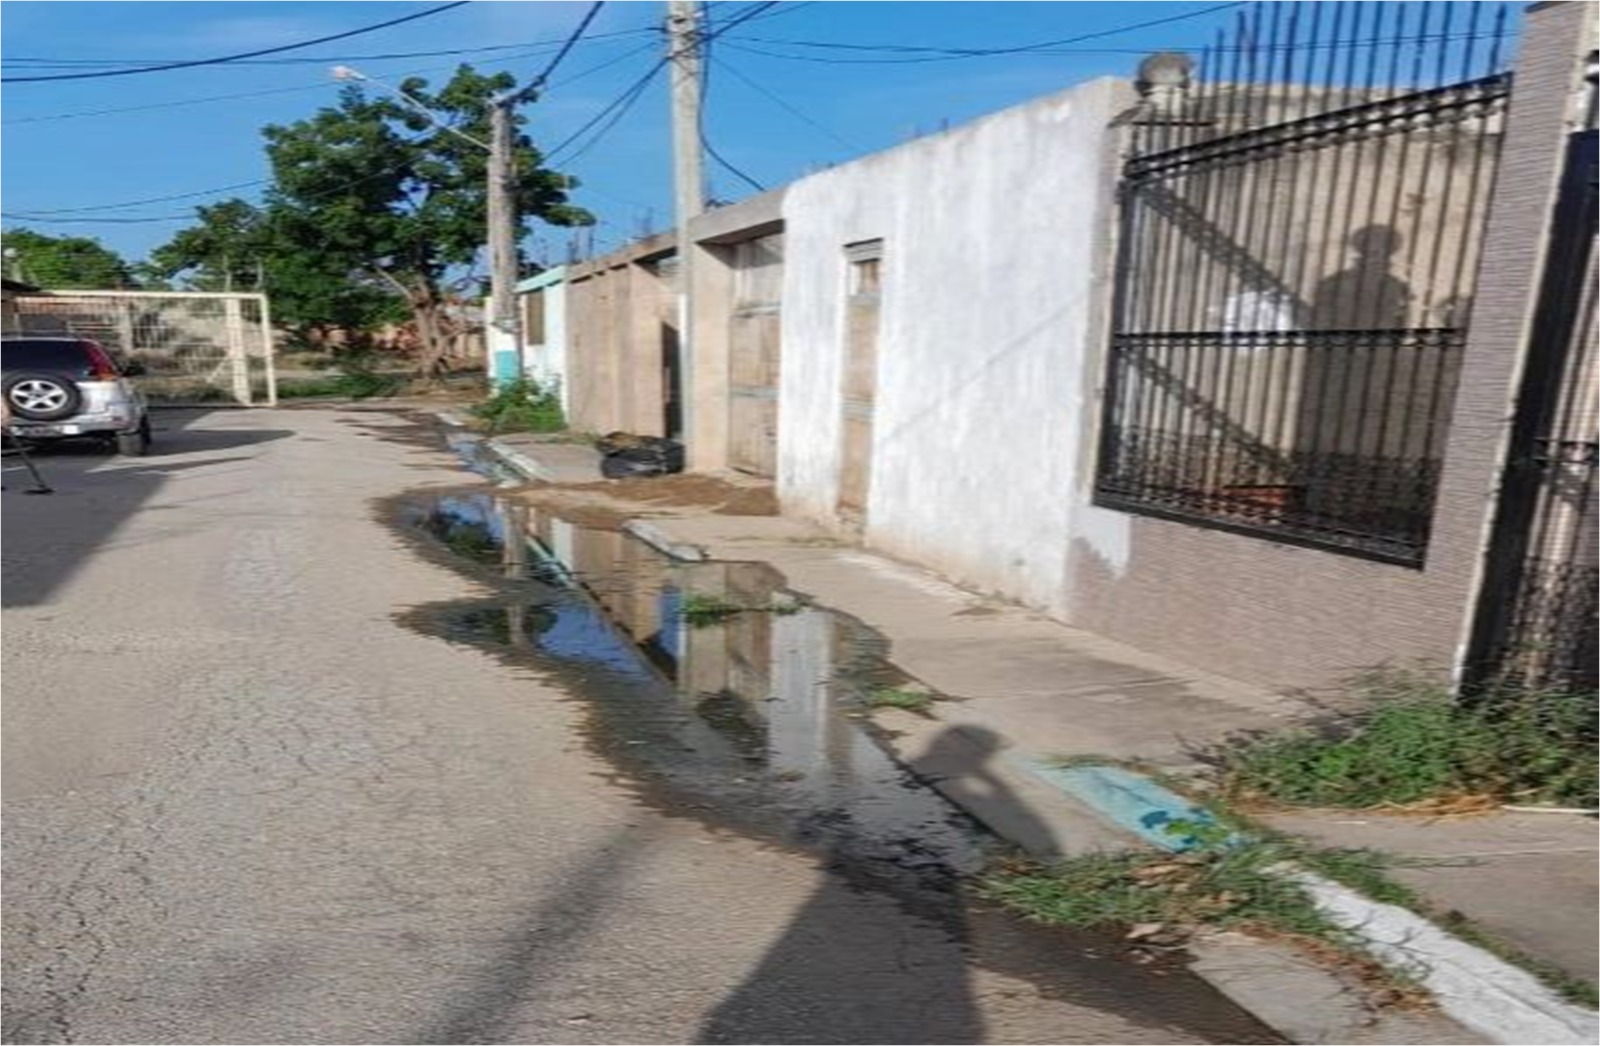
(1365, 294)
(881, 952)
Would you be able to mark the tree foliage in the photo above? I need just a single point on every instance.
(240, 247)
(64, 262)
(374, 193)
(227, 251)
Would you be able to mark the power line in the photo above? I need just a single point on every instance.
(98, 221)
(34, 215)
(572, 39)
(153, 199)
(236, 57)
(705, 94)
(955, 53)
(958, 52)
(322, 85)
(723, 63)
(620, 105)
(68, 63)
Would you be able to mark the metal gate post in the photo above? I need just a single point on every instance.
(237, 354)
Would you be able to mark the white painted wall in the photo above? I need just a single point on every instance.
(989, 232)
(547, 358)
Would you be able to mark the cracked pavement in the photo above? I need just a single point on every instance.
(243, 805)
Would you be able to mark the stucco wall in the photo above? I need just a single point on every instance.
(547, 354)
(989, 283)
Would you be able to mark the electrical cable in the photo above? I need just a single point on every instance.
(319, 86)
(572, 39)
(348, 59)
(724, 64)
(236, 57)
(705, 94)
(40, 216)
(955, 54)
(625, 101)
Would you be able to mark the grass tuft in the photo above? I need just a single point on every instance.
(522, 405)
(919, 701)
(1416, 744)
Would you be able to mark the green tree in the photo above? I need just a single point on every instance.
(240, 247)
(64, 262)
(227, 251)
(376, 191)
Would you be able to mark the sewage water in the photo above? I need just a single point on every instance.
(719, 694)
(711, 684)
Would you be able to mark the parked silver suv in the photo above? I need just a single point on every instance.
(68, 387)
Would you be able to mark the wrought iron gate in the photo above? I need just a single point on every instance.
(1301, 215)
(1536, 623)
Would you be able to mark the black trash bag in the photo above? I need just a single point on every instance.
(627, 455)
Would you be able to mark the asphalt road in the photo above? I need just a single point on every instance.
(244, 805)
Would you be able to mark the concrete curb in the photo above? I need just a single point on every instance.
(657, 539)
(1475, 988)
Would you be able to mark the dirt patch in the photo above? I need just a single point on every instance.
(607, 504)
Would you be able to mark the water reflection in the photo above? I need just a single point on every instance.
(761, 702)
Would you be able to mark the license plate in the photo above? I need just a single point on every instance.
(46, 430)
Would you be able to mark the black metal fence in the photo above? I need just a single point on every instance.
(1536, 625)
(1301, 214)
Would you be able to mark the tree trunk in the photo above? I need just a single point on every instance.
(426, 312)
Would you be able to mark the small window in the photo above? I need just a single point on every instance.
(866, 267)
(533, 318)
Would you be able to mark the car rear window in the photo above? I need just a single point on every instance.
(70, 357)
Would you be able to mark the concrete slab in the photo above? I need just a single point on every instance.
(550, 462)
(1307, 1002)
(1529, 878)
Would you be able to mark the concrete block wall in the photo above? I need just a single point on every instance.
(619, 310)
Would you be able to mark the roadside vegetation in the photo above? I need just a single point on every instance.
(701, 610)
(1412, 747)
(522, 405)
(1160, 900)
(1416, 745)
(357, 377)
(1235, 877)
(918, 701)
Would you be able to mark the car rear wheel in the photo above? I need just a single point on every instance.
(35, 396)
(135, 444)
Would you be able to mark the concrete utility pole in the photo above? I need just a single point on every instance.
(502, 228)
(683, 49)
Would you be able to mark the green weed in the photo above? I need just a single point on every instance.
(919, 701)
(522, 405)
(702, 611)
(1415, 743)
(1170, 896)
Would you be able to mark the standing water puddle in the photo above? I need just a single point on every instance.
(711, 684)
(717, 694)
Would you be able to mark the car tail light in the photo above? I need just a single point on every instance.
(101, 366)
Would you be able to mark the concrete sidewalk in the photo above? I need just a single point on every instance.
(1045, 692)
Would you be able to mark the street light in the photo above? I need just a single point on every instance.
(502, 218)
(345, 72)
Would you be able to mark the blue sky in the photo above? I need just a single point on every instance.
(773, 110)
